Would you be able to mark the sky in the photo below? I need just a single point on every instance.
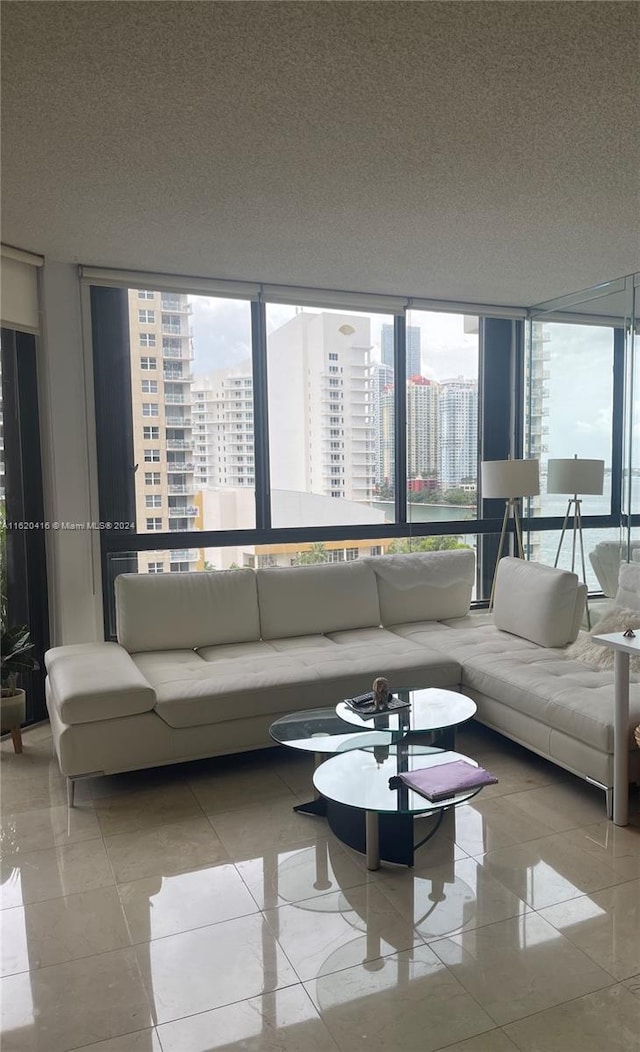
(580, 390)
(222, 337)
(580, 365)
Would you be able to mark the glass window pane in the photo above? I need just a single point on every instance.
(442, 416)
(569, 407)
(202, 443)
(326, 386)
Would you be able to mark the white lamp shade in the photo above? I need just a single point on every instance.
(510, 478)
(575, 476)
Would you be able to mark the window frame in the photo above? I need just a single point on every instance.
(493, 444)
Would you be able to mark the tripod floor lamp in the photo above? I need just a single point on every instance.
(511, 479)
(573, 476)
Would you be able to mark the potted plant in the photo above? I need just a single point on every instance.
(16, 657)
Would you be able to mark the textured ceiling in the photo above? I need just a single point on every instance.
(486, 152)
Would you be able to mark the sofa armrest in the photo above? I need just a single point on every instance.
(96, 681)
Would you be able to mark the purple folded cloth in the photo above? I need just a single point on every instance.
(447, 779)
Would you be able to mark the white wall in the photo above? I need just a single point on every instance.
(68, 461)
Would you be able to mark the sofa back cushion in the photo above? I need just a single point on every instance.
(424, 586)
(180, 611)
(537, 602)
(312, 600)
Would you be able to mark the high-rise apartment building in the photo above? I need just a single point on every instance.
(536, 413)
(381, 381)
(161, 355)
(223, 433)
(414, 363)
(387, 415)
(536, 377)
(458, 432)
(321, 432)
(423, 432)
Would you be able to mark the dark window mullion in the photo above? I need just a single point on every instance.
(260, 415)
(501, 354)
(617, 425)
(400, 415)
(114, 429)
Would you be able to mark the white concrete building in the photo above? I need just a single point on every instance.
(161, 355)
(381, 383)
(423, 432)
(222, 509)
(321, 430)
(458, 432)
(223, 431)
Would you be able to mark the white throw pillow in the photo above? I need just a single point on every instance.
(619, 619)
(628, 594)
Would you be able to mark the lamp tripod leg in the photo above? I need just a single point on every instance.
(518, 529)
(564, 530)
(584, 570)
(503, 534)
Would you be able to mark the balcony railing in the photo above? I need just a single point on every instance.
(179, 443)
(174, 420)
(179, 491)
(184, 354)
(189, 511)
(178, 378)
(184, 555)
(176, 399)
(180, 469)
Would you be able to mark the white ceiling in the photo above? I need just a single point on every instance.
(482, 152)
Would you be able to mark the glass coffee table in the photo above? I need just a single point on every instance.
(323, 733)
(433, 715)
(366, 814)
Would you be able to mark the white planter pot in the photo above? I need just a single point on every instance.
(13, 710)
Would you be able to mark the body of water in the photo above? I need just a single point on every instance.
(545, 543)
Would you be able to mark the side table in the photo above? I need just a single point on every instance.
(322, 733)
(622, 646)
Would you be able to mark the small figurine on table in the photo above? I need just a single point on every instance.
(380, 693)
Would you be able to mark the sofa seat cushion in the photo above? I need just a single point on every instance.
(193, 692)
(567, 696)
(255, 679)
(96, 681)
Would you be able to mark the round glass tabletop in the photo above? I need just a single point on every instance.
(430, 709)
(361, 778)
(322, 731)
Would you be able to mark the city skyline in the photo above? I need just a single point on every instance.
(193, 427)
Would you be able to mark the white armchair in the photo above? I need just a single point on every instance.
(606, 559)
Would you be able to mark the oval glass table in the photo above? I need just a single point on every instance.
(323, 733)
(365, 813)
(432, 713)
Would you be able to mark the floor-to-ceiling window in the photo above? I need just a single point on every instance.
(267, 429)
(580, 403)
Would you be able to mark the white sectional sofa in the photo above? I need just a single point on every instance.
(205, 662)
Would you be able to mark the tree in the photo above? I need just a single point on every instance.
(317, 553)
(426, 544)
(385, 491)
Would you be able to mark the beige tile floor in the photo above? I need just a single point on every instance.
(189, 909)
